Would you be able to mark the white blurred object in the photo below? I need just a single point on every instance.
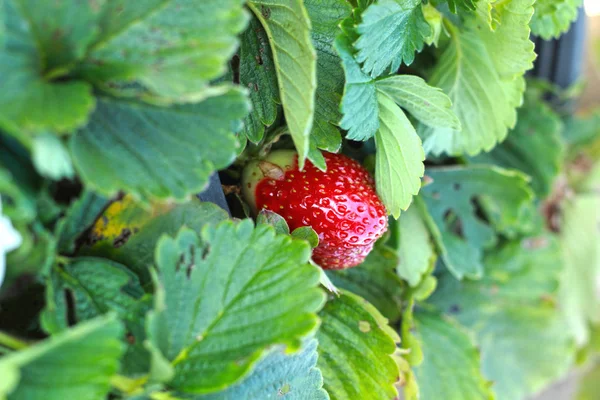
(9, 240)
(592, 7)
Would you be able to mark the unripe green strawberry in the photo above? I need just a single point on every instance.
(341, 204)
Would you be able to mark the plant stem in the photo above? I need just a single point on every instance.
(12, 342)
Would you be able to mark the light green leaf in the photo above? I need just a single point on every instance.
(29, 100)
(294, 377)
(326, 16)
(399, 158)
(434, 19)
(228, 298)
(375, 281)
(355, 350)
(306, 233)
(552, 18)
(460, 234)
(288, 27)
(160, 45)
(359, 104)
(451, 363)
(482, 72)
(589, 385)
(77, 364)
(391, 32)
(580, 242)
(521, 334)
(79, 217)
(157, 152)
(51, 158)
(127, 232)
(430, 105)
(416, 252)
(257, 73)
(533, 147)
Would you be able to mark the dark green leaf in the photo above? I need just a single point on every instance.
(158, 152)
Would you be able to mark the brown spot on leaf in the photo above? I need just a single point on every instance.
(122, 238)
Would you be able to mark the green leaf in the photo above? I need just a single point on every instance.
(451, 362)
(157, 152)
(552, 18)
(533, 147)
(306, 233)
(375, 281)
(391, 32)
(76, 364)
(435, 19)
(428, 104)
(288, 29)
(160, 45)
(79, 217)
(482, 72)
(399, 158)
(460, 233)
(128, 232)
(326, 16)
(51, 158)
(355, 350)
(416, 251)
(359, 103)
(589, 385)
(30, 100)
(581, 259)
(294, 377)
(228, 298)
(510, 313)
(257, 73)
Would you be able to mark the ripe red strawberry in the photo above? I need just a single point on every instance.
(341, 204)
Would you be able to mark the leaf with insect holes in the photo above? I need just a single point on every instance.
(218, 313)
(452, 202)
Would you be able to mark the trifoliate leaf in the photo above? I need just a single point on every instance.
(460, 233)
(227, 297)
(451, 362)
(510, 311)
(157, 152)
(391, 32)
(399, 158)
(375, 281)
(291, 376)
(533, 147)
(78, 363)
(141, 41)
(579, 296)
(552, 18)
(30, 98)
(359, 104)
(355, 350)
(257, 73)
(288, 28)
(428, 104)
(416, 252)
(127, 231)
(482, 73)
(325, 18)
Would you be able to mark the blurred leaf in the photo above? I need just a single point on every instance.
(375, 281)
(155, 152)
(355, 350)
(51, 158)
(552, 18)
(78, 363)
(459, 232)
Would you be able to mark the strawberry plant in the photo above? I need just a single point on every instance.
(407, 215)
